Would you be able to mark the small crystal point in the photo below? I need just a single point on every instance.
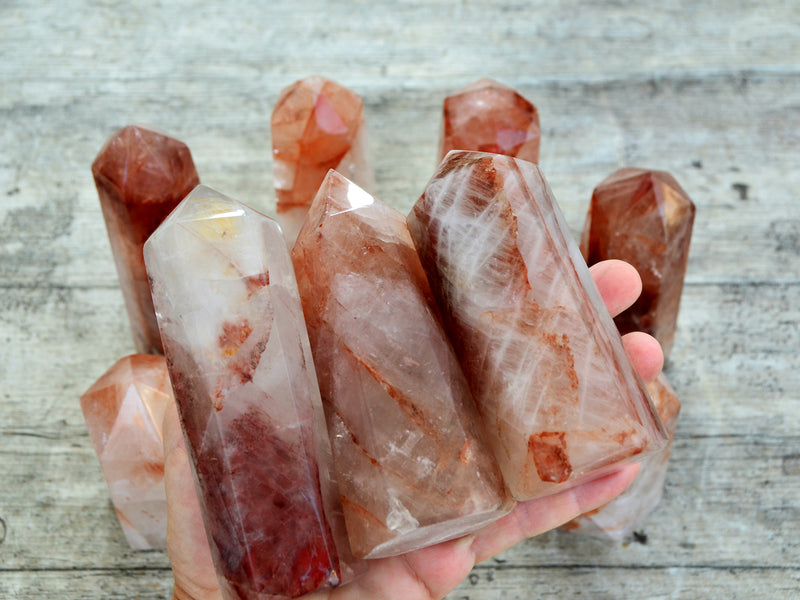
(488, 116)
(248, 399)
(557, 394)
(644, 218)
(141, 175)
(617, 519)
(410, 457)
(317, 125)
(124, 410)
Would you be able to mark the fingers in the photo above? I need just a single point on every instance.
(618, 282)
(536, 516)
(644, 353)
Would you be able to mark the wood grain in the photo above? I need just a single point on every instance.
(707, 91)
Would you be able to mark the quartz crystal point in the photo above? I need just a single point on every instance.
(488, 116)
(141, 175)
(644, 218)
(557, 394)
(247, 395)
(124, 410)
(317, 125)
(412, 465)
(617, 519)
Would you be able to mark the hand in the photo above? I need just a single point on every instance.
(432, 572)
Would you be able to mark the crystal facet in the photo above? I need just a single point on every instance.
(557, 394)
(617, 519)
(488, 116)
(124, 410)
(244, 381)
(317, 125)
(141, 175)
(412, 466)
(644, 218)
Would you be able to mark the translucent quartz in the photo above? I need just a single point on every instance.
(141, 175)
(644, 218)
(410, 456)
(488, 116)
(244, 381)
(556, 392)
(124, 410)
(617, 519)
(317, 125)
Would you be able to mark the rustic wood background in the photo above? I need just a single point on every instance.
(707, 90)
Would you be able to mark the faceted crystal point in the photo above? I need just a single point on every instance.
(141, 175)
(554, 387)
(617, 519)
(488, 116)
(644, 218)
(124, 410)
(317, 125)
(244, 381)
(412, 465)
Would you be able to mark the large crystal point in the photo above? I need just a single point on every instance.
(244, 382)
(644, 218)
(488, 116)
(317, 125)
(617, 519)
(554, 387)
(412, 465)
(124, 410)
(141, 175)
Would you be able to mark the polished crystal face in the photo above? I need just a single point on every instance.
(617, 519)
(317, 125)
(141, 175)
(644, 218)
(124, 410)
(247, 394)
(487, 116)
(558, 397)
(412, 461)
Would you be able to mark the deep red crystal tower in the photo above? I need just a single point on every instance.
(644, 218)
(488, 116)
(248, 399)
(141, 175)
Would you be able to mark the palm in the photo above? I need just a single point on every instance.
(431, 572)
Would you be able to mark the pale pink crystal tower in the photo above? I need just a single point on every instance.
(617, 519)
(412, 466)
(644, 218)
(488, 116)
(557, 394)
(124, 410)
(141, 175)
(244, 381)
(317, 125)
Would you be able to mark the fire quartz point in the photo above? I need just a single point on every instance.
(124, 410)
(617, 519)
(248, 398)
(644, 218)
(487, 116)
(317, 125)
(140, 175)
(412, 466)
(557, 394)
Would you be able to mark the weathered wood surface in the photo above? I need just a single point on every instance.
(708, 91)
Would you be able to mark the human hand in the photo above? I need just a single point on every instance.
(429, 573)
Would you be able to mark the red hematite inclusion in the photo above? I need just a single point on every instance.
(644, 218)
(317, 125)
(141, 175)
(488, 116)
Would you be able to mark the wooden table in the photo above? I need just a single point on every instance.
(708, 91)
